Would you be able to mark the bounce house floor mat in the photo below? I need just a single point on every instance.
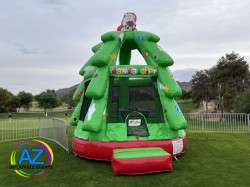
(133, 161)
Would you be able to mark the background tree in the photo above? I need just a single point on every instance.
(186, 95)
(68, 99)
(200, 87)
(5, 98)
(23, 99)
(14, 104)
(229, 78)
(47, 99)
(243, 102)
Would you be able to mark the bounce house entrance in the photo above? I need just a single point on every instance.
(136, 124)
(134, 100)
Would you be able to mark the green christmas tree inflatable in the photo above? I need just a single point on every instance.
(127, 113)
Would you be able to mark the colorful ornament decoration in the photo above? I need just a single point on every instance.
(119, 71)
(124, 71)
(134, 71)
(140, 38)
(80, 94)
(113, 56)
(146, 54)
(130, 70)
(113, 71)
(144, 70)
(166, 89)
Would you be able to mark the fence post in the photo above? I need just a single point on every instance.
(203, 122)
(39, 127)
(248, 122)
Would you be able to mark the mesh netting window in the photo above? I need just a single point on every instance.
(85, 105)
(113, 106)
(128, 95)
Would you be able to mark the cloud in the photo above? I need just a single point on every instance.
(55, 2)
(27, 50)
(184, 75)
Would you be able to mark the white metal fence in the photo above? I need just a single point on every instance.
(218, 122)
(51, 129)
(56, 129)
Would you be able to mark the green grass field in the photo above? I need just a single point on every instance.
(211, 160)
(39, 114)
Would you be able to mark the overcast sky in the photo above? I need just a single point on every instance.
(44, 43)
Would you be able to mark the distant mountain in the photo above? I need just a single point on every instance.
(187, 86)
(184, 75)
(65, 91)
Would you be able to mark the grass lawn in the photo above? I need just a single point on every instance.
(211, 160)
(39, 114)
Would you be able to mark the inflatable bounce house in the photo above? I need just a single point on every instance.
(126, 113)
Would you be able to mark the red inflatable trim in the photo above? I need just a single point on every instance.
(104, 150)
(145, 165)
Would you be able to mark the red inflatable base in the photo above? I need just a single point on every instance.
(135, 166)
(104, 150)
